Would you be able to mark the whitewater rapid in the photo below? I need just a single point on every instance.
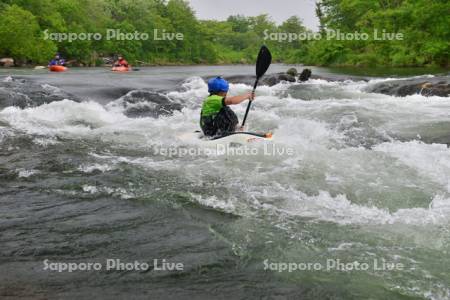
(328, 137)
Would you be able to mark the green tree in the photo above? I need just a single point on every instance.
(21, 37)
(290, 50)
(239, 23)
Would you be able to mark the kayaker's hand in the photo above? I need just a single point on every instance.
(251, 96)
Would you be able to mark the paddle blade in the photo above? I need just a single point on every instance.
(262, 64)
(263, 61)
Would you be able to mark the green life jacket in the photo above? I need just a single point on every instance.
(212, 105)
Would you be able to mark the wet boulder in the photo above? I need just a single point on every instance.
(292, 72)
(22, 93)
(305, 75)
(433, 86)
(441, 89)
(7, 62)
(145, 103)
(270, 79)
(274, 79)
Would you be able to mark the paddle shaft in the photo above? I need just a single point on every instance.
(250, 103)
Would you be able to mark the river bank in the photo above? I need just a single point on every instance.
(346, 69)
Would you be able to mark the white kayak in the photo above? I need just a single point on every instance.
(235, 138)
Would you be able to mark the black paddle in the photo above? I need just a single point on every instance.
(262, 64)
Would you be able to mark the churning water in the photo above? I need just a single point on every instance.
(366, 181)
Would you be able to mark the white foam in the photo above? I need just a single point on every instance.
(227, 205)
(51, 88)
(4, 133)
(43, 141)
(23, 173)
(117, 192)
(194, 91)
(340, 210)
(430, 160)
(62, 117)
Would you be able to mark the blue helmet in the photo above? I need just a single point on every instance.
(218, 84)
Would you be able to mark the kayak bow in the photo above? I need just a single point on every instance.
(57, 68)
(120, 69)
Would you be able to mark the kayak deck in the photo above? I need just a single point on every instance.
(241, 138)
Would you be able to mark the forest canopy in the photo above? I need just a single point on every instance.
(424, 25)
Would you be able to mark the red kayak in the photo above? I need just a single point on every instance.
(57, 68)
(121, 69)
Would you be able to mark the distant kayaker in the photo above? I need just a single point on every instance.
(216, 117)
(57, 61)
(121, 62)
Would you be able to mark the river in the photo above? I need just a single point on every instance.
(352, 196)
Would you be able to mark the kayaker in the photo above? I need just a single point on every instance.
(216, 117)
(121, 62)
(57, 61)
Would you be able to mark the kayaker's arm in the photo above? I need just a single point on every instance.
(239, 99)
